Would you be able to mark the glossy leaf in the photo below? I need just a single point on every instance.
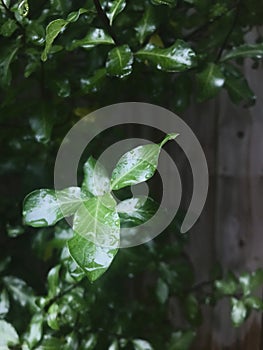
(209, 82)
(7, 56)
(251, 281)
(4, 303)
(94, 37)
(181, 340)
(20, 292)
(8, 335)
(253, 302)
(115, 7)
(243, 51)
(93, 259)
(52, 317)
(136, 210)
(147, 24)
(119, 62)
(96, 181)
(93, 83)
(137, 165)
(97, 220)
(176, 58)
(42, 124)
(228, 285)
(35, 331)
(23, 8)
(170, 3)
(114, 345)
(51, 343)
(46, 207)
(140, 344)
(53, 281)
(238, 312)
(57, 26)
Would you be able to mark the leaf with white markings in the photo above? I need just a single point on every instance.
(96, 180)
(175, 58)
(97, 221)
(120, 60)
(137, 165)
(115, 7)
(94, 37)
(93, 259)
(45, 207)
(209, 82)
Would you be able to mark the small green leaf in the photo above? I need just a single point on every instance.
(53, 281)
(46, 207)
(8, 27)
(20, 292)
(115, 7)
(209, 82)
(35, 331)
(119, 62)
(147, 24)
(8, 54)
(23, 8)
(137, 165)
(181, 340)
(137, 210)
(114, 345)
(253, 302)
(140, 344)
(170, 3)
(93, 259)
(8, 335)
(51, 343)
(42, 124)
(57, 26)
(227, 286)
(162, 291)
(96, 180)
(176, 58)
(4, 303)
(93, 83)
(244, 51)
(52, 317)
(251, 281)
(94, 37)
(192, 310)
(238, 312)
(97, 220)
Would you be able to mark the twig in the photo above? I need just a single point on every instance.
(105, 20)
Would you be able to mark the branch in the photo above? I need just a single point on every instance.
(105, 20)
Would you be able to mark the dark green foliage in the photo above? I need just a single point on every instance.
(60, 60)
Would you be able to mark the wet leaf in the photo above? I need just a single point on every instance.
(8, 335)
(45, 207)
(175, 58)
(93, 259)
(162, 291)
(137, 165)
(119, 62)
(238, 312)
(140, 344)
(209, 82)
(170, 3)
(95, 36)
(96, 181)
(35, 331)
(243, 51)
(147, 24)
(8, 27)
(93, 83)
(115, 7)
(4, 303)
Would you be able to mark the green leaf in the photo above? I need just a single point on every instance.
(8, 54)
(181, 340)
(238, 312)
(45, 207)
(51, 343)
(52, 317)
(96, 181)
(170, 3)
(42, 124)
(95, 36)
(8, 335)
(140, 344)
(23, 8)
(53, 281)
(251, 281)
(114, 345)
(253, 302)
(147, 24)
(93, 259)
(35, 331)
(137, 165)
(237, 87)
(8, 27)
(136, 210)
(209, 82)
(119, 62)
(97, 220)
(175, 58)
(4, 303)
(93, 83)
(192, 310)
(227, 286)
(244, 51)
(162, 291)
(115, 7)
(20, 292)
(57, 26)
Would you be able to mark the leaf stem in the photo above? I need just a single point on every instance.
(105, 20)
